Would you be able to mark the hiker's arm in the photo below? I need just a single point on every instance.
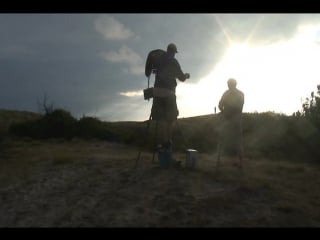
(179, 74)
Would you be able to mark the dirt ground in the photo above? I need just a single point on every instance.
(94, 184)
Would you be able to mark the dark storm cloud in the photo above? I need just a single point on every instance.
(56, 55)
(84, 61)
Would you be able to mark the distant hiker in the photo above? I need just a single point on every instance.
(231, 105)
(164, 105)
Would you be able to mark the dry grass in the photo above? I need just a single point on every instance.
(93, 184)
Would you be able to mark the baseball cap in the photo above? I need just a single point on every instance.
(172, 47)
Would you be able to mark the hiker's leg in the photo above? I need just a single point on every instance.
(172, 115)
(159, 115)
(169, 144)
(169, 131)
(166, 131)
(162, 130)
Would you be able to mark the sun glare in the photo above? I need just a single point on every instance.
(273, 77)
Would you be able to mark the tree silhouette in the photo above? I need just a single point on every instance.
(45, 107)
(311, 108)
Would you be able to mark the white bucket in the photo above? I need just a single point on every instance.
(191, 158)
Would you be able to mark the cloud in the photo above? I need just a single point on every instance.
(135, 70)
(132, 93)
(112, 29)
(126, 55)
(15, 51)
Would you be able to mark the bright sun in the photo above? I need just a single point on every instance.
(273, 77)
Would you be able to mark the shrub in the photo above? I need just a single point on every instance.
(56, 124)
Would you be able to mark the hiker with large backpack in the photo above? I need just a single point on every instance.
(164, 106)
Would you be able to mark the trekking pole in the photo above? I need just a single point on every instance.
(147, 132)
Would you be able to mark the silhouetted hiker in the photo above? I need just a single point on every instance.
(231, 105)
(164, 107)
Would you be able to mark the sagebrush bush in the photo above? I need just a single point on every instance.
(56, 124)
(92, 127)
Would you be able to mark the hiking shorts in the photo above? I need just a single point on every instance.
(164, 108)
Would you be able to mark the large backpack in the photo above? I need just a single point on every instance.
(151, 65)
(152, 60)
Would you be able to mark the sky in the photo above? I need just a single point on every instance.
(93, 64)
